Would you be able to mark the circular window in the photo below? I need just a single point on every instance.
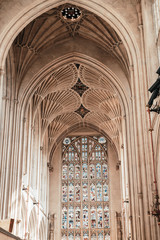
(102, 140)
(66, 141)
(71, 13)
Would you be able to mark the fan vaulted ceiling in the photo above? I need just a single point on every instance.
(59, 102)
(51, 28)
(62, 106)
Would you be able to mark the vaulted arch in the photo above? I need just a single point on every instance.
(50, 79)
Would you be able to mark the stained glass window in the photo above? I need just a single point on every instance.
(100, 216)
(107, 236)
(92, 192)
(85, 191)
(93, 217)
(64, 192)
(64, 217)
(85, 236)
(77, 217)
(64, 172)
(93, 236)
(71, 192)
(85, 216)
(99, 191)
(71, 171)
(92, 171)
(71, 217)
(77, 192)
(64, 237)
(71, 236)
(98, 170)
(77, 171)
(78, 237)
(100, 236)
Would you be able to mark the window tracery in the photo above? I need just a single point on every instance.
(85, 194)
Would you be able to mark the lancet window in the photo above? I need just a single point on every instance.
(85, 189)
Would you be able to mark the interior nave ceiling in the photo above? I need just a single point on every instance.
(51, 28)
(58, 96)
(62, 107)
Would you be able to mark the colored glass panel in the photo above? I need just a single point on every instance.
(100, 236)
(76, 156)
(77, 193)
(67, 141)
(92, 171)
(71, 171)
(64, 172)
(85, 217)
(71, 192)
(85, 236)
(64, 218)
(64, 237)
(107, 236)
(92, 192)
(93, 217)
(102, 140)
(91, 144)
(93, 236)
(82, 161)
(84, 171)
(100, 216)
(99, 191)
(77, 171)
(64, 193)
(71, 217)
(106, 217)
(85, 191)
(105, 171)
(78, 237)
(71, 236)
(77, 217)
(98, 170)
(105, 192)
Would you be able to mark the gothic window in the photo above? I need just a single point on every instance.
(78, 237)
(99, 191)
(77, 217)
(77, 192)
(64, 237)
(100, 216)
(71, 236)
(77, 171)
(64, 172)
(71, 217)
(85, 191)
(93, 217)
(92, 192)
(92, 171)
(71, 192)
(64, 217)
(93, 236)
(64, 192)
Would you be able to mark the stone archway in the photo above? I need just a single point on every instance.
(132, 149)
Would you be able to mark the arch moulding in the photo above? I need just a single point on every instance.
(35, 9)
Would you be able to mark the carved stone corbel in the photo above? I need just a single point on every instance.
(50, 167)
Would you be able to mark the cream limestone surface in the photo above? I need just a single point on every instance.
(116, 49)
